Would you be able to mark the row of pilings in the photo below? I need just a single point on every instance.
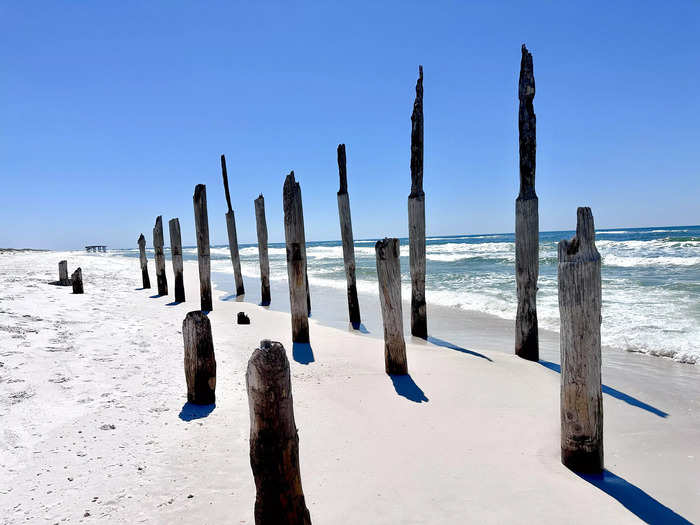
(272, 425)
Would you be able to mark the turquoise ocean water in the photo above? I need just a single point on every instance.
(651, 280)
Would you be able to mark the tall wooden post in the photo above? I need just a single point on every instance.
(579, 342)
(77, 280)
(200, 362)
(346, 236)
(527, 223)
(232, 236)
(261, 226)
(176, 251)
(416, 218)
(160, 256)
(144, 262)
(201, 222)
(296, 259)
(63, 273)
(274, 442)
(389, 277)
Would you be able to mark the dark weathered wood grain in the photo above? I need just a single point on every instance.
(144, 262)
(580, 297)
(416, 218)
(160, 256)
(261, 227)
(77, 281)
(201, 222)
(526, 219)
(232, 234)
(274, 442)
(176, 252)
(63, 279)
(389, 279)
(296, 259)
(347, 238)
(200, 362)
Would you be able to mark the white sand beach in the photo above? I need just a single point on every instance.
(94, 425)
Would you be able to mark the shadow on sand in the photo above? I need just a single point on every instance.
(302, 353)
(634, 499)
(614, 393)
(406, 387)
(156, 296)
(191, 411)
(359, 327)
(446, 344)
(174, 303)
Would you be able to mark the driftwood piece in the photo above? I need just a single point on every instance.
(347, 238)
(77, 281)
(526, 219)
(416, 218)
(160, 256)
(296, 259)
(176, 251)
(144, 262)
(389, 278)
(274, 442)
(232, 235)
(63, 273)
(201, 222)
(261, 226)
(579, 341)
(200, 362)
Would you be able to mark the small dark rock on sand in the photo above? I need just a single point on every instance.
(243, 318)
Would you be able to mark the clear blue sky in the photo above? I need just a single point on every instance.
(113, 111)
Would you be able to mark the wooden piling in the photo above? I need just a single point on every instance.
(144, 262)
(261, 226)
(160, 256)
(579, 341)
(232, 235)
(296, 259)
(274, 442)
(389, 278)
(176, 251)
(77, 281)
(346, 236)
(200, 362)
(63, 273)
(201, 222)
(416, 218)
(526, 219)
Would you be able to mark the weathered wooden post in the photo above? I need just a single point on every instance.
(77, 281)
(261, 226)
(144, 262)
(232, 236)
(200, 362)
(389, 277)
(160, 256)
(296, 259)
(527, 223)
(579, 341)
(63, 273)
(416, 218)
(176, 252)
(201, 222)
(274, 442)
(346, 236)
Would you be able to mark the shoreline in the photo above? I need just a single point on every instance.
(467, 431)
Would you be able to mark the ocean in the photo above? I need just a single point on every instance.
(651, 280)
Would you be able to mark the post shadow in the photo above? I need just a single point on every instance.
(634, 499)
(303, 353)
(191, 411)
(630, 400)
(359, 327)
(174, 303)
(406, 387)
(446, 344)
(156, 296)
